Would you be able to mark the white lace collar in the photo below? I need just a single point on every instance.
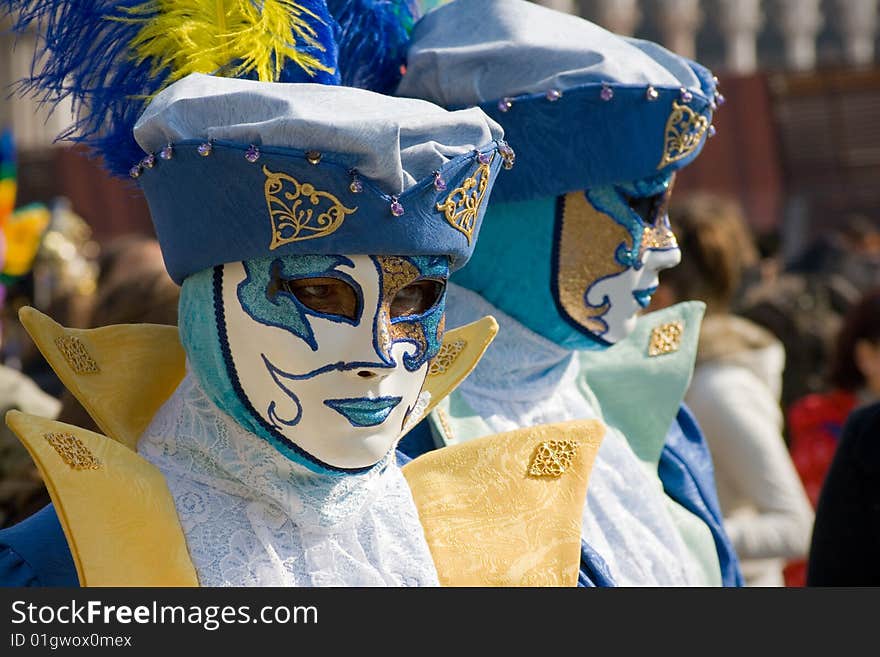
(236, 494)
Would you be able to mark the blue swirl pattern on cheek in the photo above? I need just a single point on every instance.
(612, 200)
(281, 309)
(274, 418)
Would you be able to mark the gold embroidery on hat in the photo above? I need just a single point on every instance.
(72, 451)
(552, 458)
(444, 359)
(684, 132)
(76, 354)
(291, 221)
(462, 205)
(666, 338)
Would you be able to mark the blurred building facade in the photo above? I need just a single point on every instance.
(798, 141)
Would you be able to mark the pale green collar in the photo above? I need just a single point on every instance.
(640, 393)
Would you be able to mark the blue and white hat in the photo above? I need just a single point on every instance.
(240, 169)
(583, 107)
(240, 153)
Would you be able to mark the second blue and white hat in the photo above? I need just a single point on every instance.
(582, 107)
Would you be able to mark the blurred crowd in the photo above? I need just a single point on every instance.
(79, 283)
(788, 351)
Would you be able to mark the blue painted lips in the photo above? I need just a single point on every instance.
(363, 411)
(643, 297)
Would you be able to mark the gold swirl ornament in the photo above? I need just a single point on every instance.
(298, 211)
(462, 206)
(684, 132)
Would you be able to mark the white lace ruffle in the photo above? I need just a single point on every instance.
(251, 517)
(526, 380)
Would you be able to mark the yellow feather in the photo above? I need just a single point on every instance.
(225, 37)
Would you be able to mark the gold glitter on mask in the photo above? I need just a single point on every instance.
(588, 240)
(660, 235)
(397, 273)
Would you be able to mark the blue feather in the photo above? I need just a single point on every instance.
(89, 59)
(373, 36)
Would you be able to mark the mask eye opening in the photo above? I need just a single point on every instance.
(325, 296)
(417, 299)
(648, 208)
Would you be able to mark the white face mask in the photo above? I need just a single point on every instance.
(629, 292)
(331, 352)
(610, 251)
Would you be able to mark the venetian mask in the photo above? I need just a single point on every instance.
(612, 244)
(322, 355)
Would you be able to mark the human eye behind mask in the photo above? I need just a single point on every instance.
(324, 295)
(330, 296)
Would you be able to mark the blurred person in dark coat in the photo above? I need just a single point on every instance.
(816, 421)
(846, 538)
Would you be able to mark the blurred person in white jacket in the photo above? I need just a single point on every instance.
(735, 392)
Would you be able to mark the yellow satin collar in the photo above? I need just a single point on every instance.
(502, 510)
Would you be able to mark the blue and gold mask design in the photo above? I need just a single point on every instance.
(324, 356)
(578, 268)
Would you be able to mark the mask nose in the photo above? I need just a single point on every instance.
(369, 373)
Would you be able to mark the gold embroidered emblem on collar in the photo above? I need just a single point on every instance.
(446, 357)
(444, 422)
(552, 458)
(684, 131)
(76, 355)
(292, 219)
(72, 451)
(665, 339)
(462, 205)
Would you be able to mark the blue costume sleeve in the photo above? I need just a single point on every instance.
(34, 553)
(689, 478)
(593, 571)
(418, 441)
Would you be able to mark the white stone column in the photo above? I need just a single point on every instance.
(34, 125)
(857, 23)
(800, 22)
(740, 22)
(679, 21)
(618, 16)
